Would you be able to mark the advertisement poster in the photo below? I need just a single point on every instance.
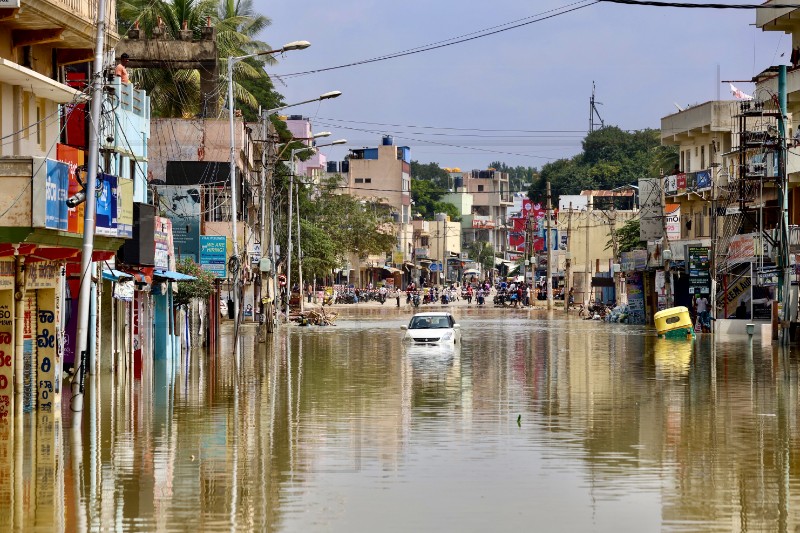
(28, 350)
(6, 352)
(124, 208)
(651, 224)
(106, 195)
(49, 194)
(181, 204)
(73, 159)
(213, 254)
(164, 254)
(699, 276)
(673, 222)
(661, 290)
(71, 322)
(57, 187)
(46, 324)
(635, 288)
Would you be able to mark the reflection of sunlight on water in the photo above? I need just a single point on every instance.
(432, 359)
(672, 358)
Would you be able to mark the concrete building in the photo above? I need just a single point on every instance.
(381, 175)
(46, 50)
(483, 198)
(315, 167)
(587, 232)
(190, 171)
(436, 243)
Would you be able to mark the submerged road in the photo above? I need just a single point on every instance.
(536, 422)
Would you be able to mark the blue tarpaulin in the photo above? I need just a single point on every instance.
(174, 276)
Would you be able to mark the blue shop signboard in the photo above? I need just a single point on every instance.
(50, 192)
(213, 252)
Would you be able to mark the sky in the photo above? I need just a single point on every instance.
(531, 85)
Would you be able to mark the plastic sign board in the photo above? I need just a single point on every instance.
(213, 254)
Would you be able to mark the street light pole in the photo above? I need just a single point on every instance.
(289, 231)
(296, 45)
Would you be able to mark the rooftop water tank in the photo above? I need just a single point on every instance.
(345, 167)
(387, 140)
(458, 182)
(333, 166)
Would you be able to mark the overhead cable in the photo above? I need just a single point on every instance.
(563, 10)
(654, 3)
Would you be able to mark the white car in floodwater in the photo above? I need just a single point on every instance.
(432, 328)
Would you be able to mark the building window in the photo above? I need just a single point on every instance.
(703, 157)
(359, 180)
(688, 167)
(367, 180)
(683, 160)
(480, 188)
(423, 241)
(39, 115)
(26, 114)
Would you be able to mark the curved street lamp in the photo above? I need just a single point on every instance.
(324, 96)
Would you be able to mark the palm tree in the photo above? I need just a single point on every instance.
(176, 92)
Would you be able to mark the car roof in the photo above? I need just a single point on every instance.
(435, 313)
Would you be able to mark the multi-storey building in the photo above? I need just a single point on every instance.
(190, 172)
(315, 167)
(382, 175)
(46, 54)
(484, 198)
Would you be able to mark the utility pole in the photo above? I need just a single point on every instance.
(588, 268)
(549, 243)
(289, 239)
(445, 254)
(568, 277)
(299, 250)
(593, 111)
(665, 247)
(89, 213)
(785, 279)
(615, 250)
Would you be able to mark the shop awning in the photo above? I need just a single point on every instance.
(116, 275)
(174, 276)
(391, 269)
(472, 272)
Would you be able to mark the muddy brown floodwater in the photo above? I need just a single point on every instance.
(535, 422)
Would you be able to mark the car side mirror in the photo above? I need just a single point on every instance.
(456, 326)
(403, 327)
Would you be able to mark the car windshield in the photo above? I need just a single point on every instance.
(429, 322)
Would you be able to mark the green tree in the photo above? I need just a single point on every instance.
(483, 254)
(334, 225)
(176, 92)
(611, 158)
(628, 237)
(200, 288)
(431, 172)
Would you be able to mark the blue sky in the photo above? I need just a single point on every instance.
(535, 78)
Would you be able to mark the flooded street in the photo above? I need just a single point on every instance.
(534, 423)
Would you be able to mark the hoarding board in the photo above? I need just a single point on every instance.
(181, 204)
(213, 254)
(651, 225)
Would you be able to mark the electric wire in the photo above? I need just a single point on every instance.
(687, 5)
(486, 32)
